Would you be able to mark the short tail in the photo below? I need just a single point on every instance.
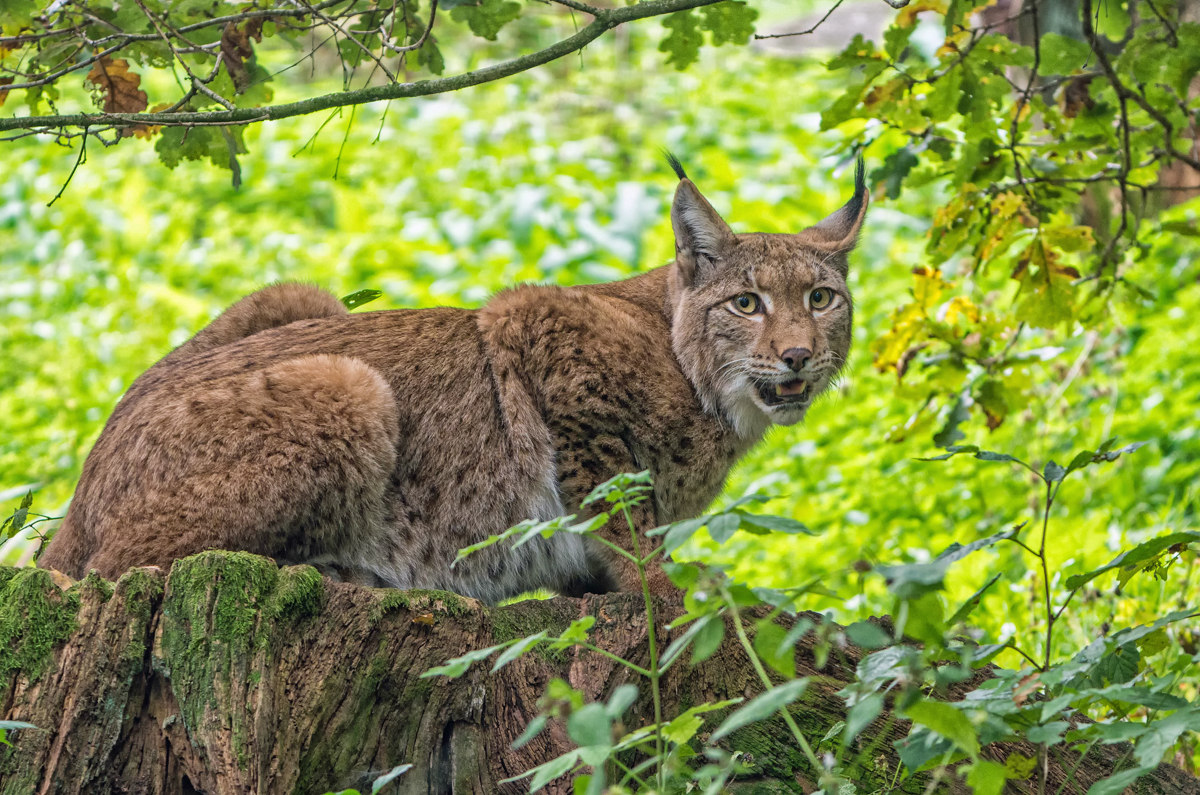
(270, 307)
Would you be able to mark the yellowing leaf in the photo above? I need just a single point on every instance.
(1047, 289)
(962, 306)
(1019, 766)
(908, 15)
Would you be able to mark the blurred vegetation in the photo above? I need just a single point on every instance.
(556, 175)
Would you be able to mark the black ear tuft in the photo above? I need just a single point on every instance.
(854, 206)
(676, 166)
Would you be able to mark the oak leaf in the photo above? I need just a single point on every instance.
(236, 49)
(119, 92)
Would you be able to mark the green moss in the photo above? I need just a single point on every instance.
(299, 593)
(35, 617)
(94, 582)
(388, 600)
(529, 618)
(210, 624)
(141, 588)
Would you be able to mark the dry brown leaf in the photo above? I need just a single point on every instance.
(4, 81)
(236, 49)
(118, 86)
(61, 580)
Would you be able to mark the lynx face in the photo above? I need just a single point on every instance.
(761, 322)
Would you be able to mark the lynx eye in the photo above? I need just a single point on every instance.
(746, 303)
(820, 298)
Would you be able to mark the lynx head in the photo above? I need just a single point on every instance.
(761, 322)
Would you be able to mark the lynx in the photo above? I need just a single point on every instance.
(375, 445)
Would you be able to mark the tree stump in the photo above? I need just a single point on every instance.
(233, 676)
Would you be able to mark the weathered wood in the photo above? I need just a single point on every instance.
(233, 676)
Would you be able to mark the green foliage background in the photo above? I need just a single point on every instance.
(557, 176)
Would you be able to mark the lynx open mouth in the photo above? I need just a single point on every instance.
(795, 392)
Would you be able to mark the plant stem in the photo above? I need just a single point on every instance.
(631, 666)
(1051, 492)
(653, 674)
(766, 681)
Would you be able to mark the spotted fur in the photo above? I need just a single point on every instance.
(377, 444)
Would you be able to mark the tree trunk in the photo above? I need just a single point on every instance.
(234, 676)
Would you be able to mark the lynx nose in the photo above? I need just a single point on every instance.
(796, 358)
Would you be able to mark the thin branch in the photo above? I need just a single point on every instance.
(367, 50)
(419, 42)
(82, 157)
(820, 22)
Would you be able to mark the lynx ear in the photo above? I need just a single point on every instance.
(838, 233)
(701, 235)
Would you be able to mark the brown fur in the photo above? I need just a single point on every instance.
(378, 444)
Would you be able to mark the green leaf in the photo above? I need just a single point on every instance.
(1142, 552)
(729, 22)
(1018, 766)
(946, 721)
(389, 777)
(972, 602)
(778, 524)
(590, 726)
(866, 635)
(621, 700)
(677, 533)
(575, 634)
(761, 707)
(801, 628)
(892, 173)
(457, 666)
(1104, 455)
(1115, 785)
(486, 17)
(1144, 696)
(357, 299)
(1053, 473)
(708, 640)
(1120, 666)
(768, 643)
(680, 643)
(920, 746)
(430, 56)
(861, 714)
(532, 730)
(682, 44)
(12, 725)
(722, 526)
(858, 52)
(986, 778)
(684, 727)
(544, 774)
(1163, 733)
(916, 579)
(1062, 55)
(1050, 733)
(982, 455)
(517, 649)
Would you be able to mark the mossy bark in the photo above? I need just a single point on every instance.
(234, 676)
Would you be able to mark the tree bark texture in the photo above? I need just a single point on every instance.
(234, 676)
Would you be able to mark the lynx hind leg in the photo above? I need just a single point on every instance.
(293, 462)
(271, 307)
